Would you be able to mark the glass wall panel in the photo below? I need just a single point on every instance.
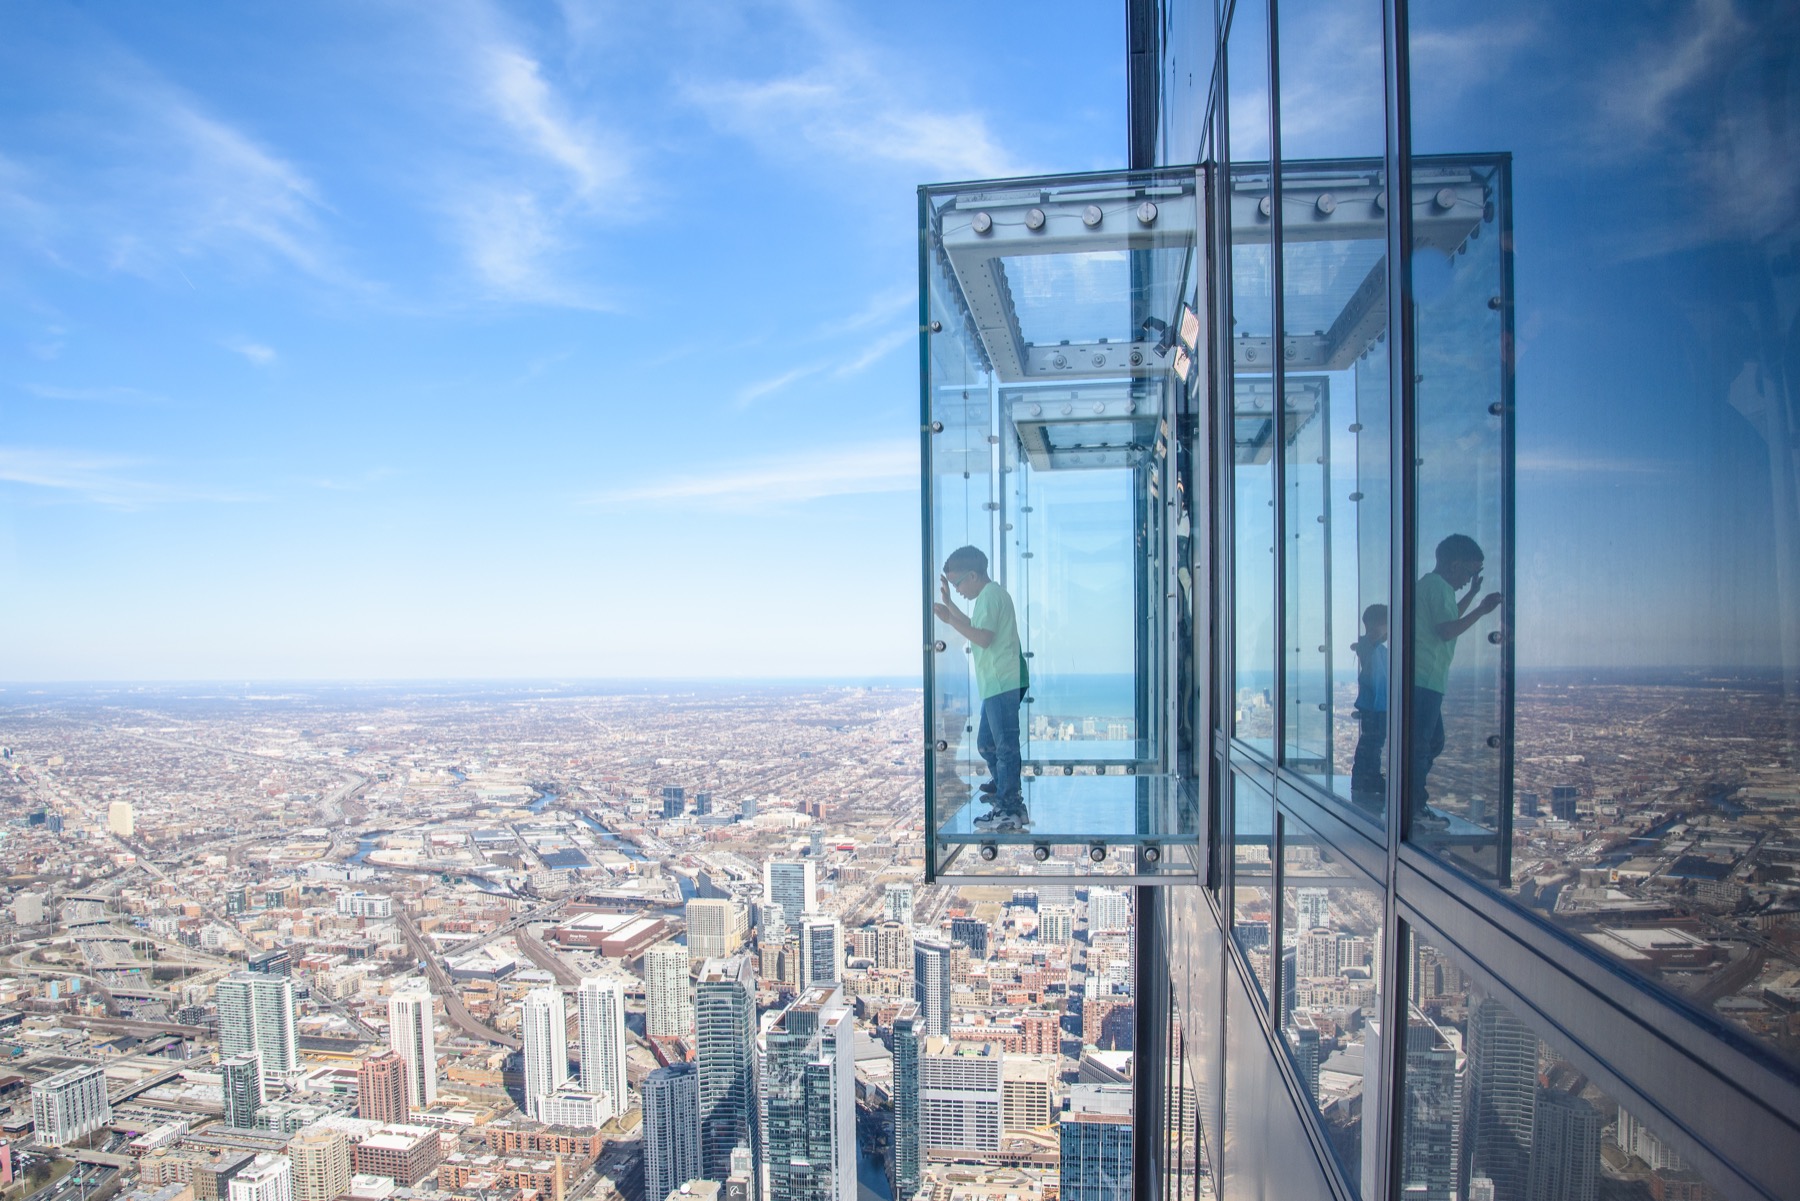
(1336, 519)
(1252, 876)
(1254, 433)
(1331, 922)
(1656, 611)
(1489, 1108)
(1188, 49)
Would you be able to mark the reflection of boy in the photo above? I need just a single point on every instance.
(992, 629)
(1441, 619)
(1367, 782)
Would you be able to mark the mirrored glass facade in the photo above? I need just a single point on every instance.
(1499, 769)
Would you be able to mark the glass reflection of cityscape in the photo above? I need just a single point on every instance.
(1336, 878)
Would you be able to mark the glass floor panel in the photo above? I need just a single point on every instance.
(1064, 809)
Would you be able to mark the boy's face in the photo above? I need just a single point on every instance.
(1458, 572)
(1378, 630)
(967, 583)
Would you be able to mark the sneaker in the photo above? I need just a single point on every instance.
(990, 819)
(1012, 823)
(988, 788)
(1430, 819)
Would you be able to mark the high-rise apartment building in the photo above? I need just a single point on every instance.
(894, 947)
(715, 928)
(1565, 1148)
(821, 952)
(725, 1044)
(412, 1035)
(120, 819)
(1390, 692)
(809, 1099)
(69, 1104)
(931, 983)
(268, 1178)
(319, 1157)
(1056, 923)
(793, 885)
(256, 1017)
(600, 1017)
(1095, 1133)
(1028, 1091)
(962, 1095)
(1109, 911)
(897, 903)
(668, 997)
(381, 1087)
(674, 800)
(671, 1113)
(905, 1163)
(545, 1029)
(241, 1090)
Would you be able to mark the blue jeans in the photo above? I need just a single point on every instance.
(1427, 741)
(1366, 775)
(998, 745)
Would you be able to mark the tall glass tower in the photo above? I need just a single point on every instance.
(725, 1038)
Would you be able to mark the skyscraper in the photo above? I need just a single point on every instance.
(714, 928)
(320, 1160)
(909, 1032)
(411, 1035)
(546, 1032)
(897, 903)
(1429, 1153)
(962, 1095)
(240, 1087)
(1109, 911)
(725, 1037)
(1565, 1148)
(674, 800)
(1056, 923)
(668, 1000)
(931, 983)
(269, 1178)
(1502, 1099)
(69, 1104)
(381, 1087)
(256, 1017)
(671, 1129)
(809, 1095)
(600, 1012)
(821, 951)
(1096, 1143)
(793, 885)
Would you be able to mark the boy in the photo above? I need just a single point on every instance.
(1368, 783)
(1440, 620)
(992, 629)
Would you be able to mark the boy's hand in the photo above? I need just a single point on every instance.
(1475, 584)
(945, 609)
(1489, 603)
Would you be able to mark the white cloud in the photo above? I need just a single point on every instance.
(527, 104)
(764, 388)
(879, 349)
(97, 478)
(256, 352)
(115, 394)
(825, 472)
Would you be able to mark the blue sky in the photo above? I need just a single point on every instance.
(482, 339)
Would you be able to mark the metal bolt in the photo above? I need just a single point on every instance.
(1137, 358)
(982, 223)
(937, 427)
(937, 327)
(1494, 637)
(1495, 303)
(942, 745)
(1060, 360)
(1266, 206)
(1092, 216)
(1445, 198)
(1097, 852)
(1040, 852)
(1034, 218)
(1152, 854)
(1494, 741)
(989, 852)
(1496, 408)
(1146, 213)
(1326, 204)
(1099, 360)
(938, 646)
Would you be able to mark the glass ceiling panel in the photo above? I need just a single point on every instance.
(1082, 297)
(1322, 277)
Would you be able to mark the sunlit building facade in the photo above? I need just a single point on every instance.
(1418, 473)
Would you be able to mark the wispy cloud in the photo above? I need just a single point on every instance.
(113, 481)
(847, 107)
(879, 349)
(256, 352)
(116, 395)
(527, 104)
(826, 472)
(768, 387)
(1577, 464)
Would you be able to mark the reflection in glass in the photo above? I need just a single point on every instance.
(1252, 876)
(1657, 721)
(1254, 434)
(1490, 1110)
(1330, 984)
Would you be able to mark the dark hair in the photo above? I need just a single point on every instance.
(1374, 613)
(966, 558)
(1459, 546)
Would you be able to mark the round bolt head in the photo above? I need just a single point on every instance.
(1040, 852)
(943, 745)
(1092, 216)
(1061, 360)
(1097, 852)
(1146, 213)
(989, 852)
(1266, 206)
(1326, 204)
(938, 646)
(937, 327)
(1099, 360)
(982, 223)
(1137, 358)
(1445, 198)
(1494, 741)
(1152, 854)
(1034, 218)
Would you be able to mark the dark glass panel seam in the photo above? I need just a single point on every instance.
(1337, 832)
(926, 549)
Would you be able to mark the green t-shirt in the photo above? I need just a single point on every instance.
(1434, 604)
(1000, 665)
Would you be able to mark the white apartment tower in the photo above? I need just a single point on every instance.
(1056, 923)
(667, 991)
(412, 1037)
(269, 1178)
(319, 1157)
(121, 819)
(671, 1129)
(715, 928)
(821, 952)
(897, 903)
(962, 1091)
(546, 1031)
(1109, 911)
(600, 1010)
(70, 1104)
(256, 1018)
(792, 884)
